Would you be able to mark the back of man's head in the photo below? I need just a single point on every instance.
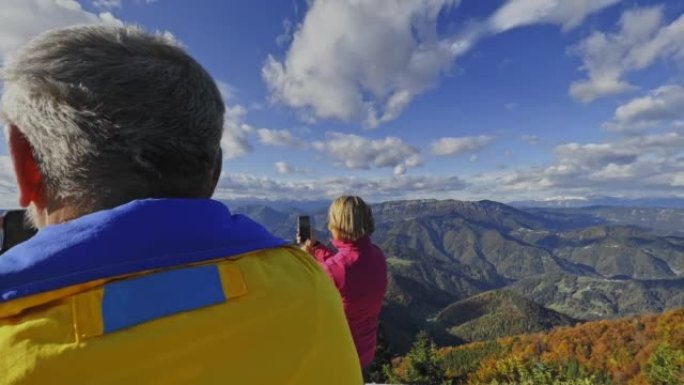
(113, 114)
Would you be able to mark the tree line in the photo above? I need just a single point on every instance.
(645, 350)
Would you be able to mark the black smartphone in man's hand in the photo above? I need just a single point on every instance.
(303, 228)
(15, 229)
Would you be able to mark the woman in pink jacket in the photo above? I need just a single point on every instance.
(358, 269)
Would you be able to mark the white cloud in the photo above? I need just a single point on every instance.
(366, 61)
(362, 61)
(456, 146)
(227, 90)
(532, 140)
(668, 42)
(642, 39)
(664, 104)
(271, 137)
(511, 106)
(238, 186)
(599, 86)
(356, 152)
(593, 155)
(286, 36)
(107, 4)
(567, 13)
(284, 168)
(629, 166)
(8, 185)
(237, 132)
(21, 20)
(235, 141)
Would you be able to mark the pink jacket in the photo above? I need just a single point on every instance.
(359, 271)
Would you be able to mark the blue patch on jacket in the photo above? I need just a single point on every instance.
(137, 236)
(134, 301)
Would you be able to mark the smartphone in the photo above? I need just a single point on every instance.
(15, 229)
(303, 228)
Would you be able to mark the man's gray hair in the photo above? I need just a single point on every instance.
(114, 114)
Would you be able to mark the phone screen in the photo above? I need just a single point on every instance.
(15, 229)
(303, 228)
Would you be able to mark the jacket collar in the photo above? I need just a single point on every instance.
(357, 244)
(137, 236)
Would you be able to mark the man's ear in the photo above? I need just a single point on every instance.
(29, 178)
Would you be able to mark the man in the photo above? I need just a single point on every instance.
(136, 276)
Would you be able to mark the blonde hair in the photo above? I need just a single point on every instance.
(351, 218)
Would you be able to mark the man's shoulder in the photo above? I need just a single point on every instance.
(264, 271)
(282, 267)
(272, 278)
(136, 237)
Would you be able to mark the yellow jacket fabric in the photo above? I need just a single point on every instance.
(280, 324)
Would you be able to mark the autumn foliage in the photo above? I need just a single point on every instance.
(637, 351)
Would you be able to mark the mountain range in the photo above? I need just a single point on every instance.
(548, 266)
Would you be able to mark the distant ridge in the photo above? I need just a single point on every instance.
(498, 313)
(597, 298)
(304, 206)
(669, 202)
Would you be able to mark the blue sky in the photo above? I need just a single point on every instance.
(390, 99)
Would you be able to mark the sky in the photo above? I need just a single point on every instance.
(411, 99)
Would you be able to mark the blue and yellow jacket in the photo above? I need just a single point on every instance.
(169, 292)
